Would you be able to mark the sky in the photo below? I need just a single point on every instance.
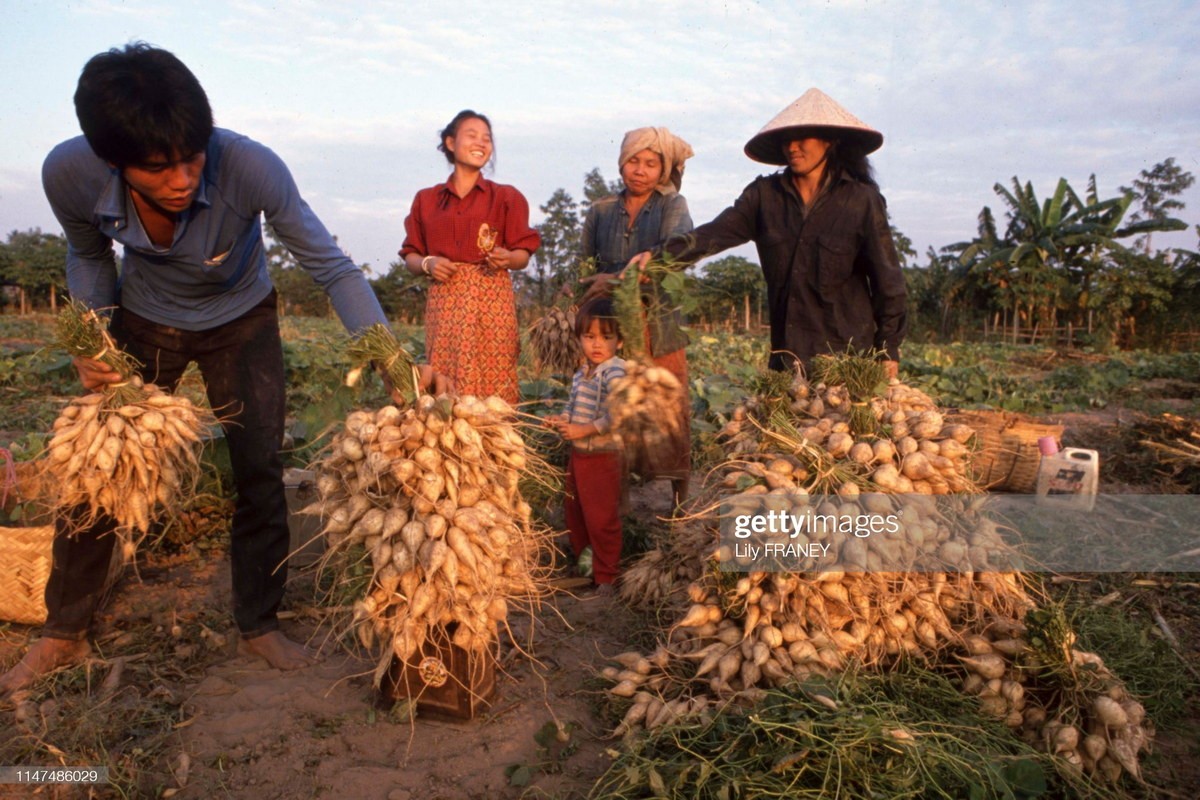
(352, 94)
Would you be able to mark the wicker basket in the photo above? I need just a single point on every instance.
(25, 554)
(1006, 458)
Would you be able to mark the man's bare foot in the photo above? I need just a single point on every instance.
(43, 657)
(278, 651)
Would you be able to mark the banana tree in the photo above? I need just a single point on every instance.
(1053, 249)
(984, 275)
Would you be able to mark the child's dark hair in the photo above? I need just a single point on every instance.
(600, 309)
(139, 102)
(451, 131)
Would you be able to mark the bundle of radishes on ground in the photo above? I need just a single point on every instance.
(844, 445)
(552, 338)
(554, 343)
(428, 535)
(131, 451)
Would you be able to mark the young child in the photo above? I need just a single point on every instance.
(594, 465)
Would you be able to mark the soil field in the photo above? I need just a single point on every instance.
(168, 705)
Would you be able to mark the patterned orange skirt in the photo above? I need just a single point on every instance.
(471, 331)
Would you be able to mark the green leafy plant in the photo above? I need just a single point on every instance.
(905, 734)
(556, 743)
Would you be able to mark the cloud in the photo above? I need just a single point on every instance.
(13, 181)
(351, 94)
(119, 8)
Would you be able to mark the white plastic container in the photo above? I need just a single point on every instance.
(1069, 478)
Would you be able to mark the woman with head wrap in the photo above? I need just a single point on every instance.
(821, 229)
(641, 216)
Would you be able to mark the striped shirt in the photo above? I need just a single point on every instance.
(590, 389)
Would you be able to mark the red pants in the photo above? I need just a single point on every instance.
(594, 514)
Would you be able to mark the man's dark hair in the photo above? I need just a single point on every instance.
(137, 102)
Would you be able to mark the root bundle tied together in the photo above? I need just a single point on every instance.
(554, 343)
(644, 409)
(427, 500)
(131, 451)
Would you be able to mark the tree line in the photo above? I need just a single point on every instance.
(1069, 259)
(32, 270)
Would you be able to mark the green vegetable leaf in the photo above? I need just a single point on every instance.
(547, 735)
(1026, 777)
(518, 775)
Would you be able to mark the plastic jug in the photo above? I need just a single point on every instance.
(1067, 478)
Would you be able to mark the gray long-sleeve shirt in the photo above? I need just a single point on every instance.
(215, 270)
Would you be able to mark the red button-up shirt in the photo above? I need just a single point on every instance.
(443, 224)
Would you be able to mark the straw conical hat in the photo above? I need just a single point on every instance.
(814, 110)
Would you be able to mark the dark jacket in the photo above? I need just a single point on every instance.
(833, 277)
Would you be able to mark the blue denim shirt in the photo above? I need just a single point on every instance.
(215, 270)
(609, 239)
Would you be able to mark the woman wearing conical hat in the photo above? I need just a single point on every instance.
(821, 229)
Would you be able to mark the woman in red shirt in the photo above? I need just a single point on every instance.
(464, 236)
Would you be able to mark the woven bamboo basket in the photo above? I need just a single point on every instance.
(26, 550)
(25, 558)
(1006, 458)
(25, 554)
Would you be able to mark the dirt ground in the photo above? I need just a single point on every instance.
(238, 729)
(244, 730)
(323, 731)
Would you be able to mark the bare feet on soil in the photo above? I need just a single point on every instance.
(278, 651)
(43, 657)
